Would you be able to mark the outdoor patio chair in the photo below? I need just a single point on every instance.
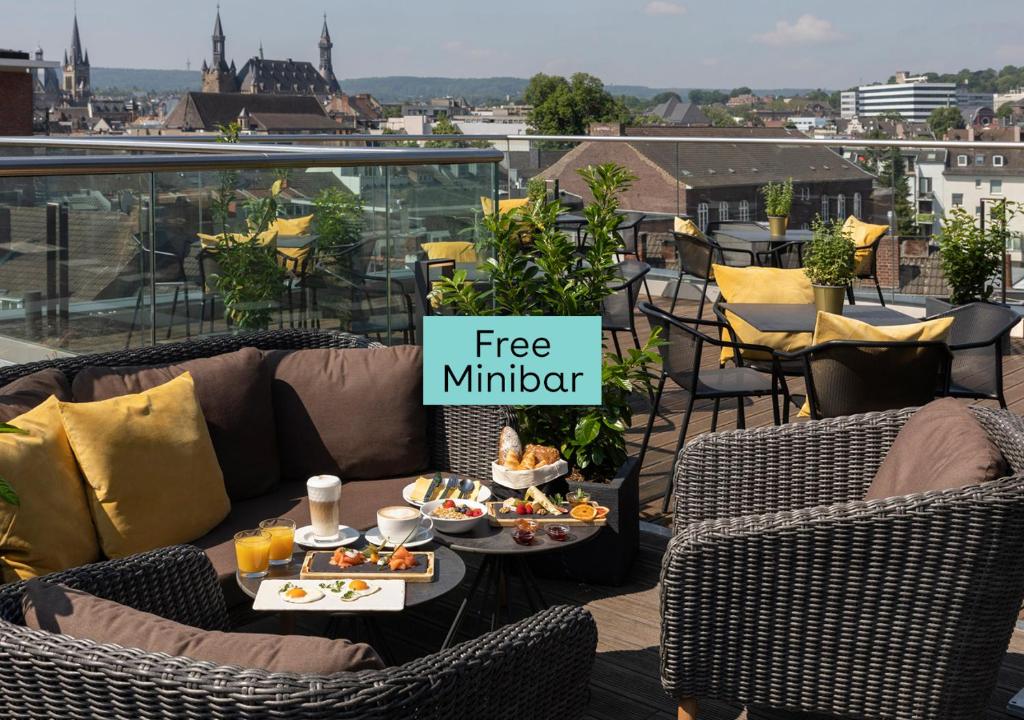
(696, 254)
(845, 377)
(783, 589)
(618, 310)
(978, 338)
(867, 269)
(681, 356)
(170, 256)
(500, 674)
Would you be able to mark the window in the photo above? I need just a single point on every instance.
(824, 208)
(977, 183)
(958, 199)
(998, 161)
(961, 161)
(702, 216)
(744, 210)
(979, 159)
(840, 206)
(925, 185)
(723, 211)
(857, 208)
(995, 187)
(805, 193)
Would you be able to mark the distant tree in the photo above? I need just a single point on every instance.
(567, 107)
(744, 90)
(392, 111)
(893, 175)
(1005, 110)
(719, 116)
(943, 119)
(397, 143)
(665, 97)
(708, 97)
(818, 95)
(835, 99)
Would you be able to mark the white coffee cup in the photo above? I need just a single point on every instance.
(396, 522)
(324, 505)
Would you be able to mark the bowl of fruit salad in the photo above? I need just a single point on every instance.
(454, 516)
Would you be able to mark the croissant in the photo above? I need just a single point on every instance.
(544, 454)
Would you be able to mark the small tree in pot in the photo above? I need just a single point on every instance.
(778, 202)
(829, 262)
(972, 258)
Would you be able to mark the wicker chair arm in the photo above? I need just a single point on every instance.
(47, 675)
(176, 582)
(895, 608)
(463, 438)
(772, 469)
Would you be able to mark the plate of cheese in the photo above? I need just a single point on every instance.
(444, 487)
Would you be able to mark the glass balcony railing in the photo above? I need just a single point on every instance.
(122, 249)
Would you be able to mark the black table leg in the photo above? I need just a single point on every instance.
(460, 615)
(532, 586)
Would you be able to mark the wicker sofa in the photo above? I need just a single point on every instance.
(782, 588)
(43, 675)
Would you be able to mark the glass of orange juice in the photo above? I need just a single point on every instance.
(282, 539)
(252, 550)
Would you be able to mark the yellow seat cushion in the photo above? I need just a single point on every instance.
(457, 250)
(292, 226)
(212, 242)
(686, 226)
(828, 326)
(504, 206)
(51, 528)
(763, 285)
(863, 234)
(151, 474)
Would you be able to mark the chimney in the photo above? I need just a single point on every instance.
(606, 129)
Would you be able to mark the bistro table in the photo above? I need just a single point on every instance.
(800, 318)
(500, 553)
(757, 239)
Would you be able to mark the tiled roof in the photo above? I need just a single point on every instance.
(674, 112)
(287, 121)
(205, 111)
(286, 77)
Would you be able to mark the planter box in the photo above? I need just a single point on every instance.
(607, 558)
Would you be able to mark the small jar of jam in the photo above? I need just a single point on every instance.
(527, 525)
(523, 537)
(558, 532)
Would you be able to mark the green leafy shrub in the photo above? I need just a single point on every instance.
(830, 255)
(972, 258)
(778, 198)
(338, 218)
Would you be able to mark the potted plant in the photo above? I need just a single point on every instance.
(972, 258)
(778, 201)
(829, 263)
(591, 438)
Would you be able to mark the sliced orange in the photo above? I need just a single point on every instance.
(601, 511)
(584, 513)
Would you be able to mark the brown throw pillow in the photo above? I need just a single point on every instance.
(25, 393)
(58, 609)
(942, 446)
(234, 395)
(356, 413)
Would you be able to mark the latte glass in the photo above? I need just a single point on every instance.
(324, 500)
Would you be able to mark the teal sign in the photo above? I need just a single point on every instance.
(512, 360)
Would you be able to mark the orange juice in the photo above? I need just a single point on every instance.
(252, 551)
(282, 539)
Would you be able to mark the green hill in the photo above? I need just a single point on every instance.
(142, 80)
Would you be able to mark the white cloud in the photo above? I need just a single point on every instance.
(661, 7)
(806, 30)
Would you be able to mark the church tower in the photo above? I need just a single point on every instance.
(218, 77)
(326, 64)
(76, 86)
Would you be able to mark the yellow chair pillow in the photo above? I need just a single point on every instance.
(863, 234)
(828, 327)
(50, 529)
(151, 475)
(504, 206)
(292, 226)
(686, 226)
(457, 250)
(212, 242)
(763, 285)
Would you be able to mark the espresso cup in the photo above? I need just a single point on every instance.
(324, 499)
(397, 522)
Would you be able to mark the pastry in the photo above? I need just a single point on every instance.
(510, 448)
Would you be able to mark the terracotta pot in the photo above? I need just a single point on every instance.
(777, 225)
(829, 298)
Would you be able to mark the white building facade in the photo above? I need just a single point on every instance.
(913, 99)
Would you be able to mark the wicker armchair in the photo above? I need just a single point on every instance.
(781, 588)
(44, 675)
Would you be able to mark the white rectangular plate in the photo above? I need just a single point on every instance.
(390, 597)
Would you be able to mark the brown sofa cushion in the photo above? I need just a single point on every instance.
(234, 394)
(61, 610)
(355, 413)
(25, 393)
(942, 446)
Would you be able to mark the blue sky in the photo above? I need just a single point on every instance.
(724, 43)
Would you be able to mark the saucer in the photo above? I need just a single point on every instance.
(422, 537)
(346, 536)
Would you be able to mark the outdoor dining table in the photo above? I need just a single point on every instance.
(575, 222)
(751, 233)
(800, 318)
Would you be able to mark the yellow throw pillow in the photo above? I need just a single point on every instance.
(504, 206)
(292, 226)
(457, 250)
(50, 529)
(763, 285)
(828, 326)
(686, 226)
(212, 242)
(863, 234)
(152, 477)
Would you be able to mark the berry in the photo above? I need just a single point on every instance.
(449, 503)
(529, 509)
(521, 509)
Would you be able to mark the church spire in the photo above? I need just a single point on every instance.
(76, 43)
(325, 34)
(218, 42)
(326, 63)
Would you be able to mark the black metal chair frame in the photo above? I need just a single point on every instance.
(715, 252)
(654, 315)
(629, 286)
(179, 285)
(870, 274)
